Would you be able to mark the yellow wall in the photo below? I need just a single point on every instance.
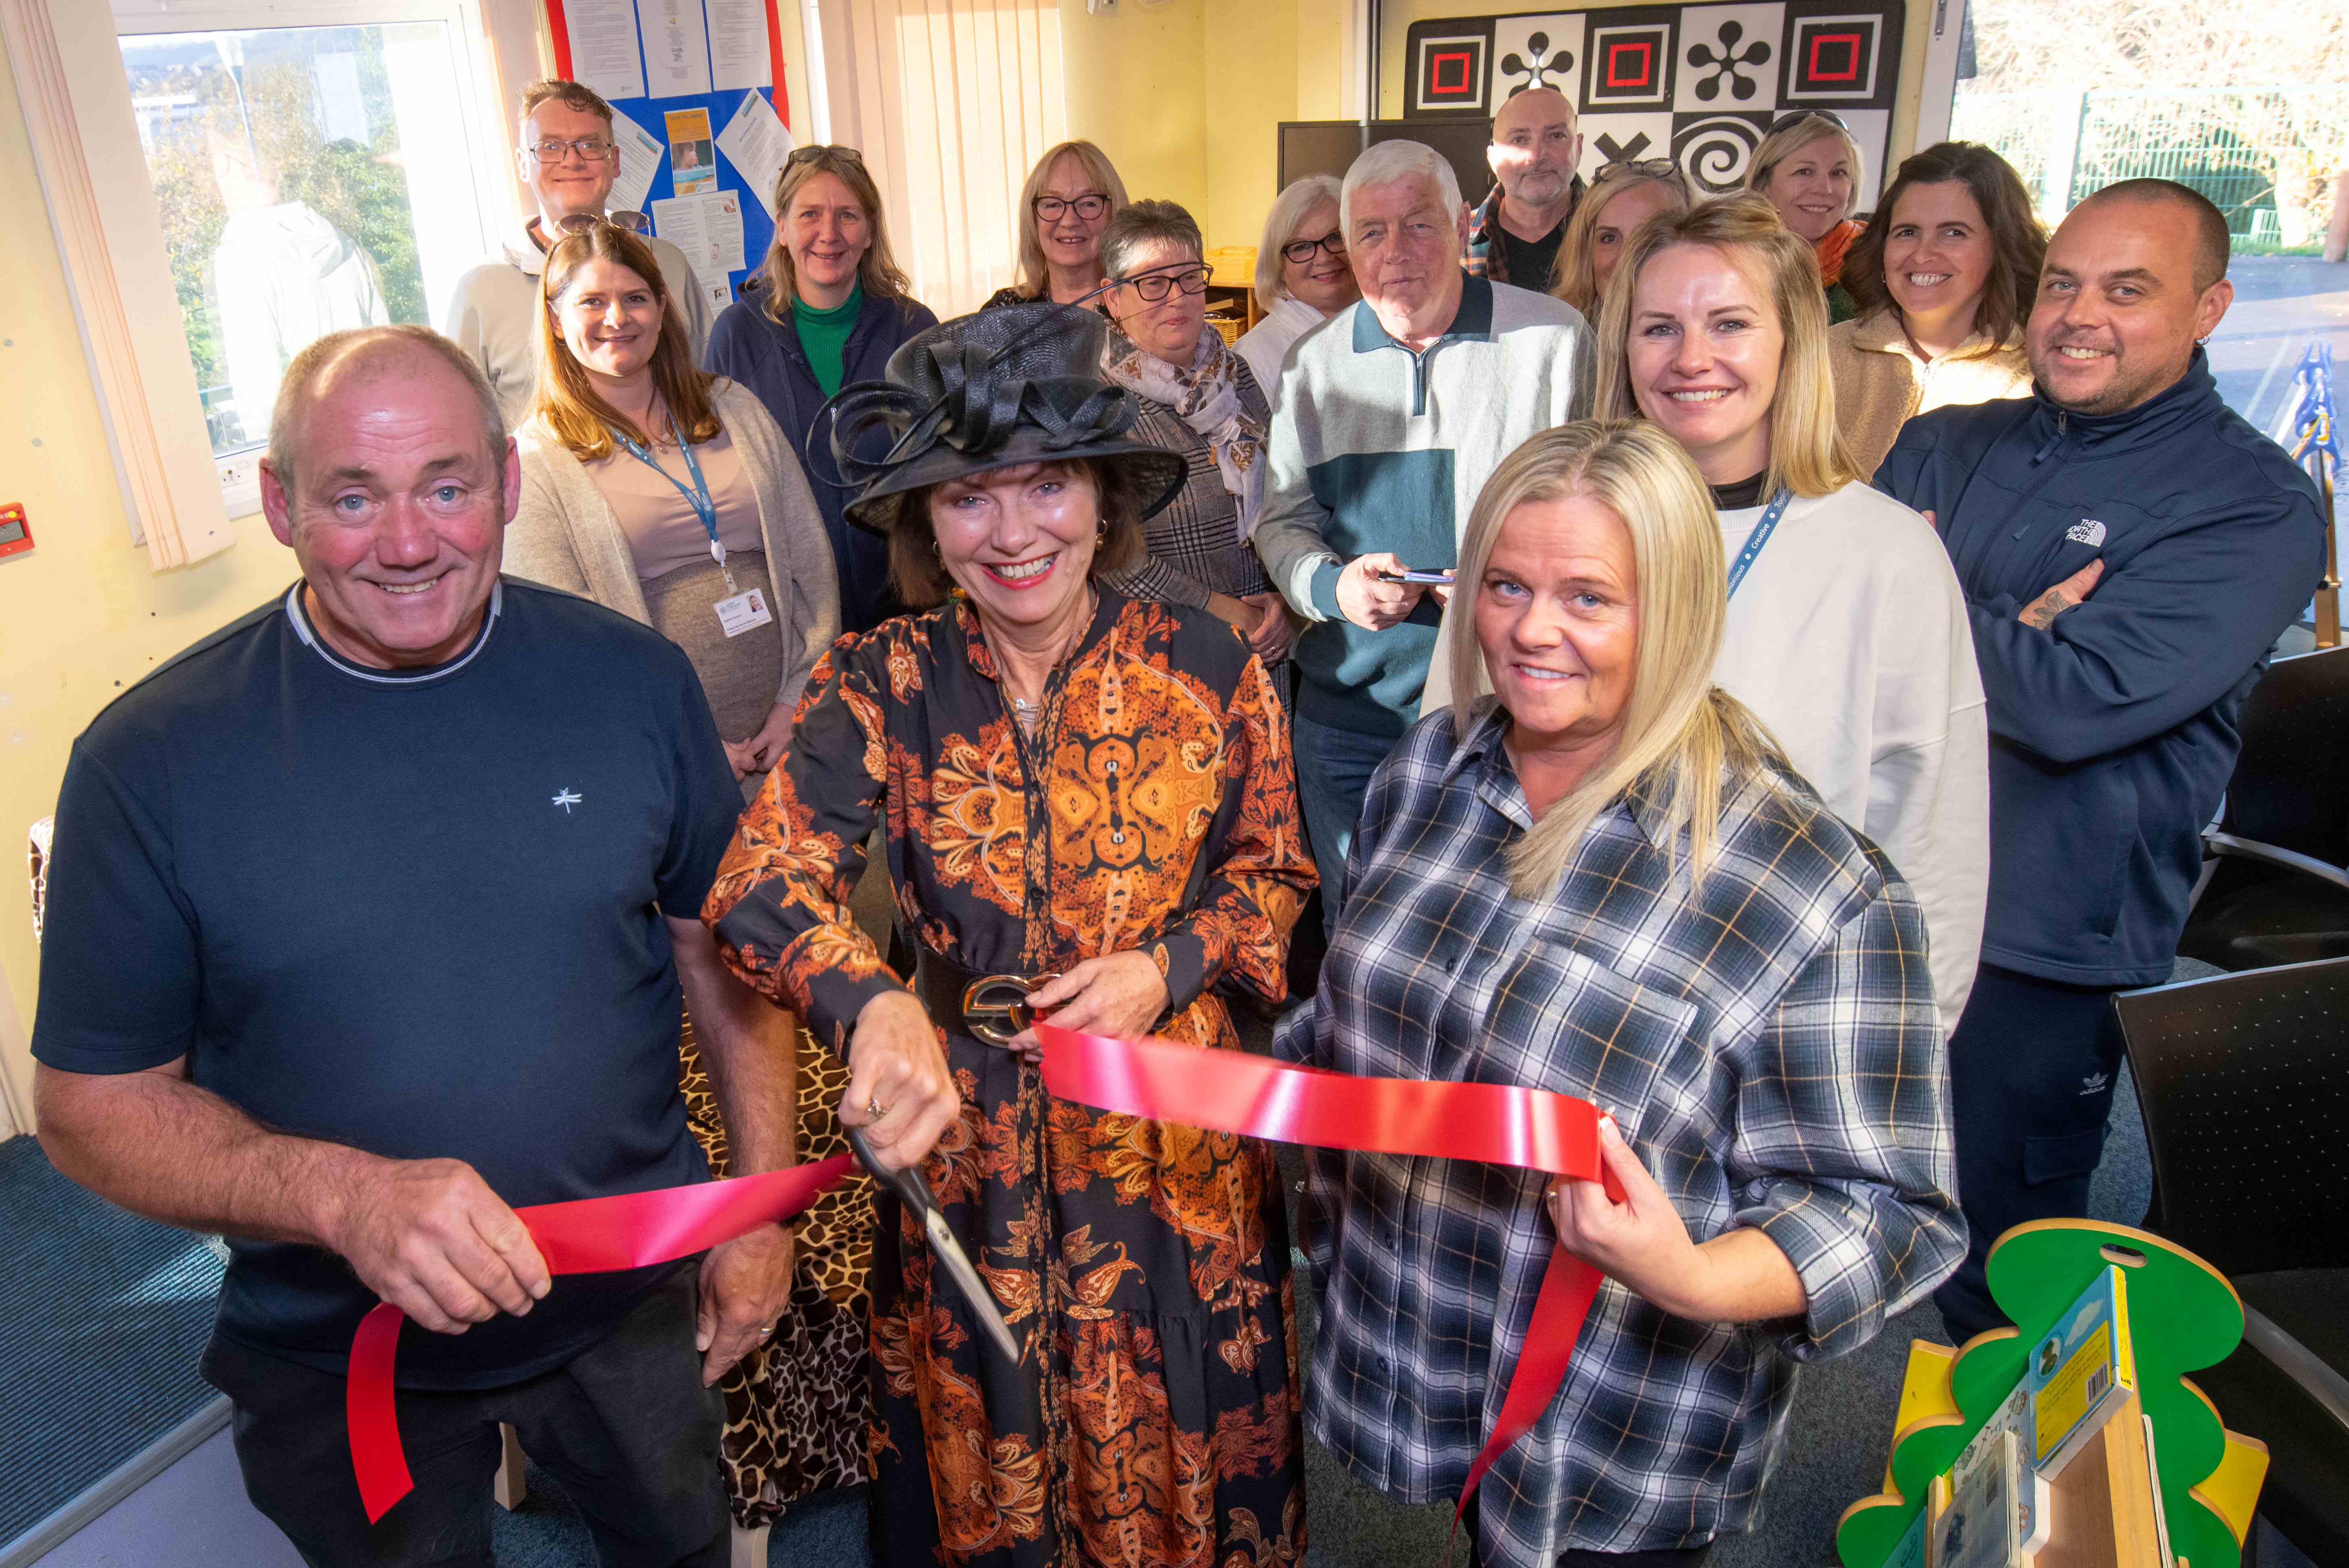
(1137, 85)
(81, 616)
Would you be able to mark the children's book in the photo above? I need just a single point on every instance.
(1982, 1528)
(2080, 1372)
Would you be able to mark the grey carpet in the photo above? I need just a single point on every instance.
(106, 1316)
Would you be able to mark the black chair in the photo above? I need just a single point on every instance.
(2243, 1081)
(2276, 892)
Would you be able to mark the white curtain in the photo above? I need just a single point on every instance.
(951, 102)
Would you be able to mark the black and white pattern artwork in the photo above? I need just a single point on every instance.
(1699, 83)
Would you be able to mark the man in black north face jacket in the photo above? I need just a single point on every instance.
(2129, 550)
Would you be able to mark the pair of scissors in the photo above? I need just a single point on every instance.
(914, 1192)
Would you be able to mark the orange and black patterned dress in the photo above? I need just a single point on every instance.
(1153, 1418)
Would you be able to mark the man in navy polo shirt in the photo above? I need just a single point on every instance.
(370, 920)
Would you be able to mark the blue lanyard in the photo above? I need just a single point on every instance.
(697, 498)
(1757, 539)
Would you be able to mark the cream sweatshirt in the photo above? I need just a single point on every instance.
(1849, 639)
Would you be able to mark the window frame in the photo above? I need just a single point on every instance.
(180, 499)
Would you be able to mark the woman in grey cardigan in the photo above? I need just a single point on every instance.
(670, 495)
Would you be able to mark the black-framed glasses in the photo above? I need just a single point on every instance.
(1091, 207)
(590, 148)
(1302, 251)
(1156, 286)
(814, 150)
(1793, 117)
(626, 222)
(1645, 168)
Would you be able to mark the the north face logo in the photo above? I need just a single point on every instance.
(2087, 531)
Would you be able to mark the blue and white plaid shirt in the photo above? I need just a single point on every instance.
(1768, 1046)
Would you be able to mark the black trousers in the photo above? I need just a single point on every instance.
(625, 1426)
(2031, 1068)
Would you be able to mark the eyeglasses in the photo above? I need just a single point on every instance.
(590, 148)
(1645, 168)
(1789, 120)
(1156, 286)
(810, 153)
(1302, 251)
(626, 222)
(1091, 207)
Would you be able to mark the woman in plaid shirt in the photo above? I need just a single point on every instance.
(1602, 879)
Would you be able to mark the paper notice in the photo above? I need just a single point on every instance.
(680, 220)
(692, 154)
(604, 47)
(676, 50)
(738, 44)
(721, 222)
(640, 160)
(756, 143)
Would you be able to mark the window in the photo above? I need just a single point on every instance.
(302, 175)
(228, 179)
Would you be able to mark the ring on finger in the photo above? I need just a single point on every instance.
(875, 1110)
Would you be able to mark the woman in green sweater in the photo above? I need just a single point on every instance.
(828, 306)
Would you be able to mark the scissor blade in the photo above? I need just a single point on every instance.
(974, 1289)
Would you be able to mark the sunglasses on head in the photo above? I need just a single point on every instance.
(810, 153)
(1645, 168)
(626, 222)
(1793, 117)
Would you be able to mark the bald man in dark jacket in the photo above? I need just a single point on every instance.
(2129, 549)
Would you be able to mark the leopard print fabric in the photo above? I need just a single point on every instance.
(798, 1407)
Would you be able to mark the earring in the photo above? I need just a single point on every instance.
(1101, 535)
(935, 554)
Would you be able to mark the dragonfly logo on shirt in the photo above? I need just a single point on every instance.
(2087, 531)
(567, 798)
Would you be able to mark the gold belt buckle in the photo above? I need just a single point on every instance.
(1003, 996)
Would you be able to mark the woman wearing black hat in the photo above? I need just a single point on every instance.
(1092, 796)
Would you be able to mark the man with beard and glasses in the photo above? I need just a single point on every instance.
(1514, 233)
(2129, 549)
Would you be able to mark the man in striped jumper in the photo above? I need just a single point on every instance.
(1391, 416)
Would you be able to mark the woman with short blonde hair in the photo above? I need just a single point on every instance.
(1810, 167)
(1069, 197)
(1847, 635)
(1599, 880)
(1599, 232)
(1303, 276)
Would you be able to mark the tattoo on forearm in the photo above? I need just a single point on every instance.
(2043, 611)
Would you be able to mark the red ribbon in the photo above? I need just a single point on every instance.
(588, 1235)
(1504, 1124)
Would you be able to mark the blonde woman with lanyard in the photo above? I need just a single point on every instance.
(670, 496)
(1848, 636)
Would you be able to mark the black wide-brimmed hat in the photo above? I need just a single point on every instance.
(1017, 383)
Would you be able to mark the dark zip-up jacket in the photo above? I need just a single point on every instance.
(2113, 732)
(765, 356)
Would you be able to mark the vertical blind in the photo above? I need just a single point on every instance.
(950, 102)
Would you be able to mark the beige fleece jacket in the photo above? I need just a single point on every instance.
(1882, 382)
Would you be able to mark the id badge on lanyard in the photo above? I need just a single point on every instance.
(741, 610)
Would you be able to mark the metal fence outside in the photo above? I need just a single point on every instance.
(2264, 155)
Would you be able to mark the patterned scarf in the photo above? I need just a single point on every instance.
(1833, 246)
(1207, 397)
